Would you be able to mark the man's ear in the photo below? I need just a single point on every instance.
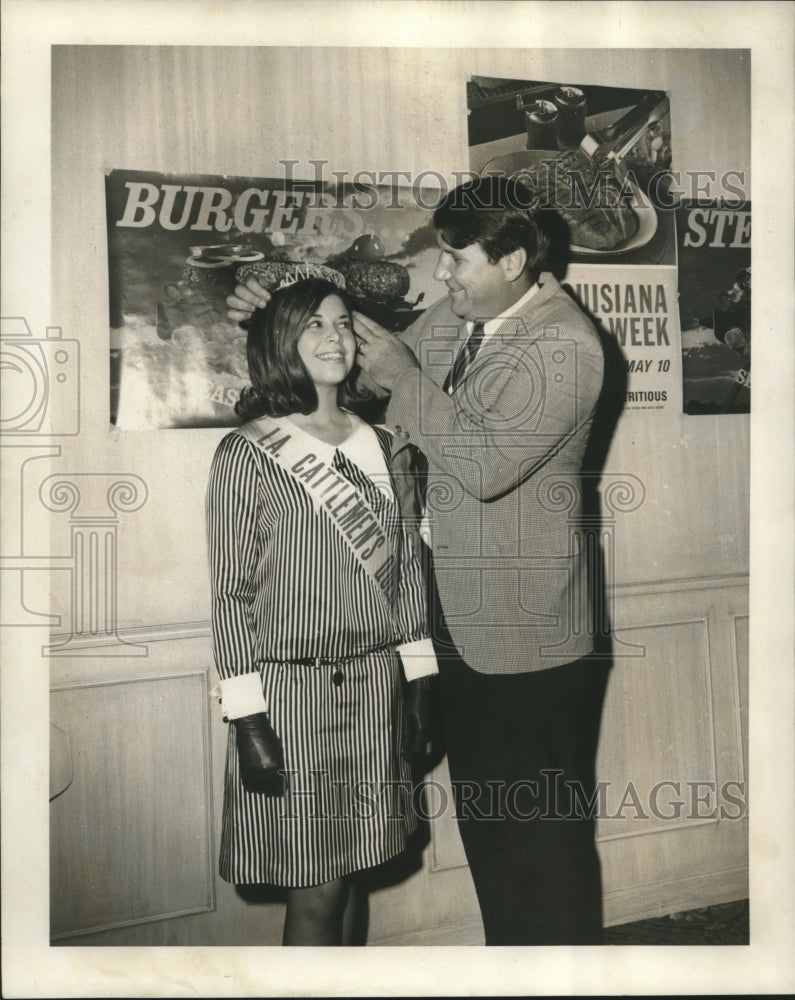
(513, 264)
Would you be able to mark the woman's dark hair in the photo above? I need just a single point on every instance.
(496, 213)
(280, 383)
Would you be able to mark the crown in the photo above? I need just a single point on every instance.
(276, 274)
(287, 280)
(306, 270)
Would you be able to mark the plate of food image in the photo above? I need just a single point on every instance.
(605, 216)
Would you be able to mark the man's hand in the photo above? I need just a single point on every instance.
(247, 297)
(381, 354)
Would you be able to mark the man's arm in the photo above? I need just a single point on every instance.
(517, 409)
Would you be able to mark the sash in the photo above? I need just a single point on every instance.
(332, 495)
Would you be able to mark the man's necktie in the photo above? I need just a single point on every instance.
(464, 358)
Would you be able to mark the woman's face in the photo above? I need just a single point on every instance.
(326, 345)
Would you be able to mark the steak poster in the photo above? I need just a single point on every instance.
(715, 307)
(178, 244)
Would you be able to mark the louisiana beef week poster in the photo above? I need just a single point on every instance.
(599, 159)
(177, 244)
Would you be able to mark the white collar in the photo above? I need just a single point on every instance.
(491, 325)
(360, 446)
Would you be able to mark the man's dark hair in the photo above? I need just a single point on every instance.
(280, 383)
(496, 213)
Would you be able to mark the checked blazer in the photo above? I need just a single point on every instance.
(503, 491)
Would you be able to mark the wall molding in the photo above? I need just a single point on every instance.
(628, 905)
(738, 670)
(655, 899)
(178, 631)
(66, 936)
(204, 713)
(87, 682)
(679, 584)
(168, 632)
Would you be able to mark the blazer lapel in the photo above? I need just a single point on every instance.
(495, 360)
(506, 340)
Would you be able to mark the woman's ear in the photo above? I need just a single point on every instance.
(513, 264)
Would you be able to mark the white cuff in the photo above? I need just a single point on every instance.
(242, 695)
(418, 659)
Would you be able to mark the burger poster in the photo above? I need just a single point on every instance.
(178, 244)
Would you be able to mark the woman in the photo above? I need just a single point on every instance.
(316, 587)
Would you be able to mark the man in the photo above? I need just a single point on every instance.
(497, 384)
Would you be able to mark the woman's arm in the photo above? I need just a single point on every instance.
(232, 547)
(407, 471)
(232, 550)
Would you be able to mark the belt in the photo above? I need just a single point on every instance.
(330, 661)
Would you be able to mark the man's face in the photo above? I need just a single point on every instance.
(476, 288)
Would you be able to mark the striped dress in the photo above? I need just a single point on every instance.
(291, 600)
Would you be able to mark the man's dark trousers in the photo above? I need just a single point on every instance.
(521, 750)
